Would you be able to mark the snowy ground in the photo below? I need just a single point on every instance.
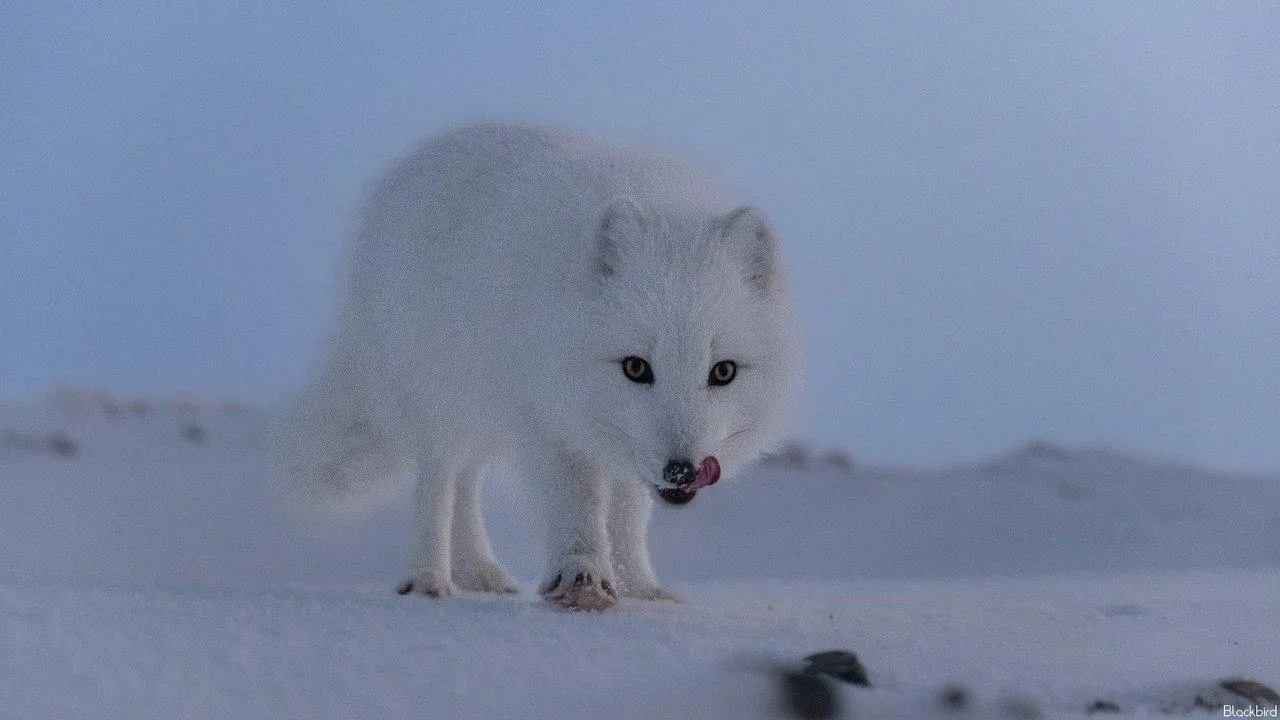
(148, 573)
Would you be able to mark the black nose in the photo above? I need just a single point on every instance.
(679, 472)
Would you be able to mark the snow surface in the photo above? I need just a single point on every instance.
(148, 572)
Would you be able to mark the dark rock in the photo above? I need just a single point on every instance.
(841, 665)
(1102, 706)
(1251, 690)
(809, 696)
(194, 433)
(1044, 450)
(792, 454)
(840, 460)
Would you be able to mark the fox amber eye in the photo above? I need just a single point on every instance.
(722, 373)
(637, 370)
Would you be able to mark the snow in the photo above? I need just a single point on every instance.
(152, 574)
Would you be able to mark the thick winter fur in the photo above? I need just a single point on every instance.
(498, 277)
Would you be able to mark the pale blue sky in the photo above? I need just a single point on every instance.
(1003, 221)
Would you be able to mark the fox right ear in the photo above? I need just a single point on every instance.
(752, 238)
(620, 221)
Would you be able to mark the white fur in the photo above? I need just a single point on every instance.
(497, 278)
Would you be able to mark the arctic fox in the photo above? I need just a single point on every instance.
(608, 318)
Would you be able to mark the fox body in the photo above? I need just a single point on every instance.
(610, 319)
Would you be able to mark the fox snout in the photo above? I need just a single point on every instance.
(680, 474)
(685, 480)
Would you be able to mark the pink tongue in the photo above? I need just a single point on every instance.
(708, 473)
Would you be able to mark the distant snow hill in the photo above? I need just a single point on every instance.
(178, 492)
(148, 570)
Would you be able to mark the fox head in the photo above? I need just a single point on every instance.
(694, 356)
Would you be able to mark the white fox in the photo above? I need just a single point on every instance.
(609, 318)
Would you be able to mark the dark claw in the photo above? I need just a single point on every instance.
(551, 586)
(580, 579)
(404, 588)
(606, 586)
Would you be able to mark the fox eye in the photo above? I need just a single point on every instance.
(722, 373)
(637, 370)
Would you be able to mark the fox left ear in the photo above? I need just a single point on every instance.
(751, 238)
(620, 223)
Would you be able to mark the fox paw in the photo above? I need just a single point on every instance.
(484, 576)
(427, 584)
(581, 584)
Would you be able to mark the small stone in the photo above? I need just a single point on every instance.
(809, 696)
(841, 665)
(1102, 706)
(954, 698)
(62, 445)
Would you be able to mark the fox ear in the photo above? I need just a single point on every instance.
(750, 237)
(620, 221)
